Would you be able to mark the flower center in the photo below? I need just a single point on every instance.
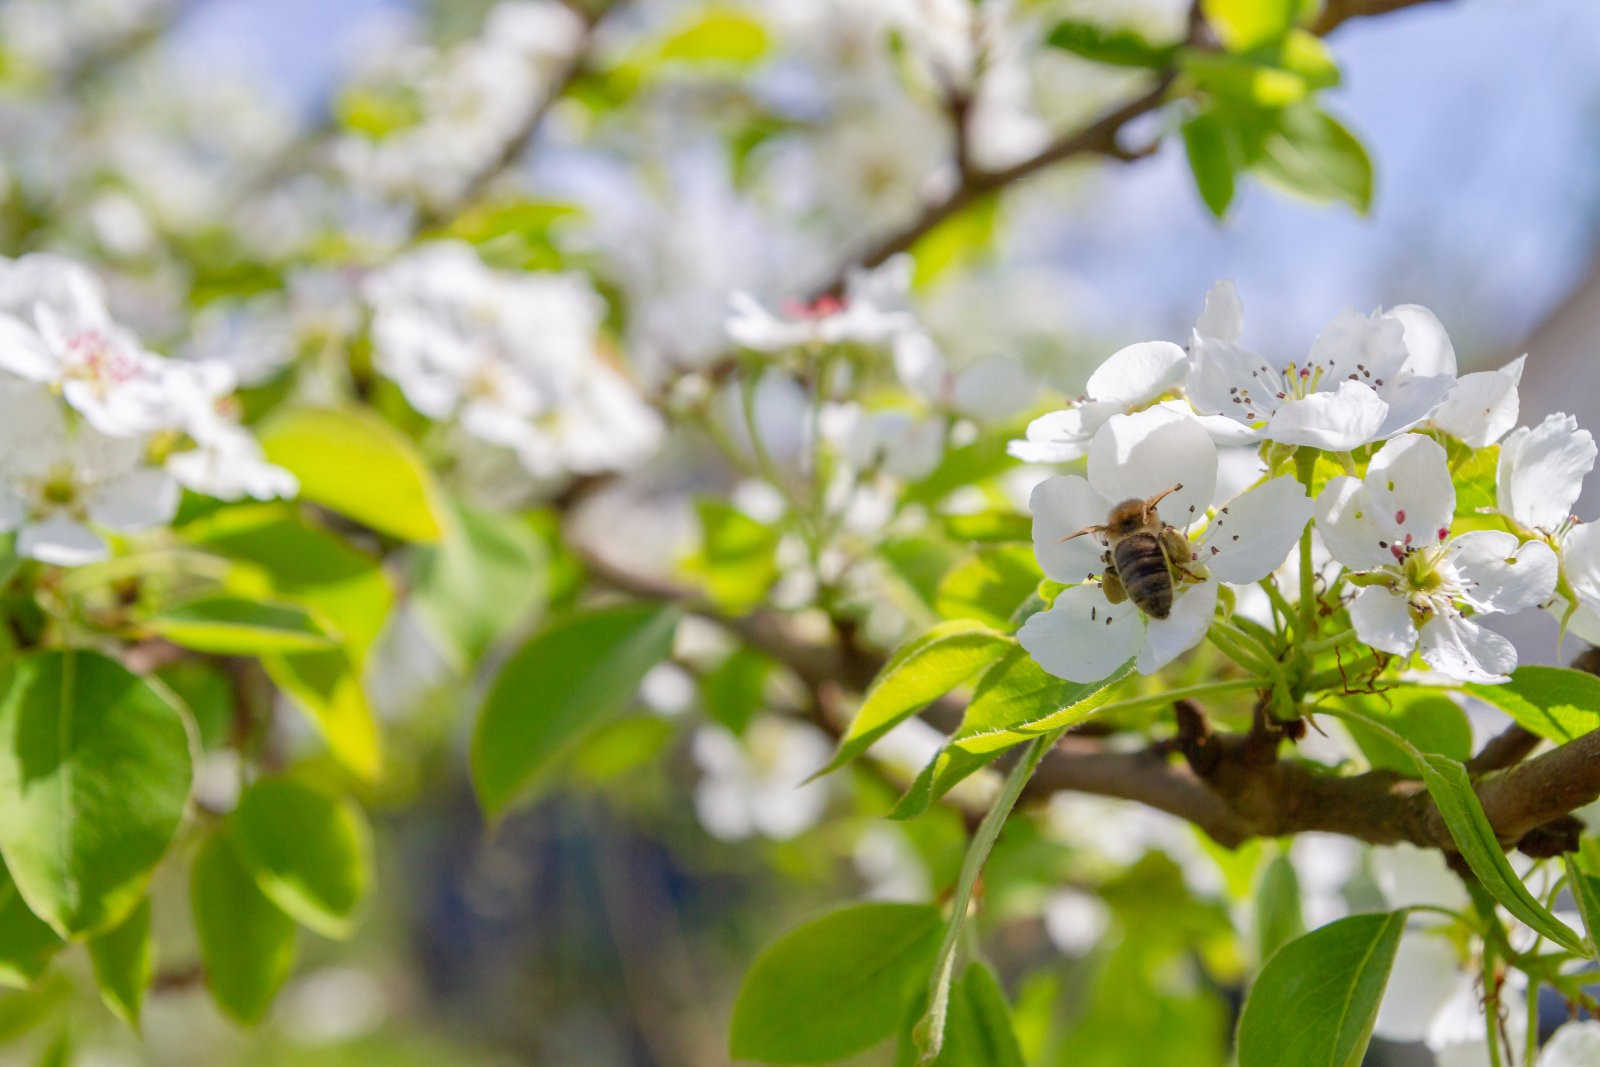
(92, 358)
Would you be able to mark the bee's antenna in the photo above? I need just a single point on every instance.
(1086, 530)
(1150, 505)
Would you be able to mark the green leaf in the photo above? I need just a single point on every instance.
(919, 562)
(1015, 701)
(485, 576)
(94, 775)
(124, 962)
(1312, 154)
(376, 113)
(1205, 140)
(1304, 54)
(1557, 703)
(961, 240)
(1452, 792)
(834, 986)
(1245, 82)
(1244, 24)
(235, 626)
(1475, 475)
(921, 671)
(1583, 879)
(27, 944)
(989, 526)
(567, 679)
(278, 553)
(738, 558)
(1122, 47)
(717, 36)
(989, 585)
(735, 689)
(967, 465)
(1279, 918)
(358, 465)
(208, 694)
(310, 853)
(978, 1030)
(930, 1031)
(247, 944)
(1316, 1000)
(1431, 721)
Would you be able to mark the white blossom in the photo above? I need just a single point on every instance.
(58, 481)
(872, 311)
(1366, 378)
(1480, 408)
(1083, 637)
(1130, 379)
(1418, 584)
(1537, 483)
(752, 785)
(55, 330)
(514, 358)
(1574, 1044)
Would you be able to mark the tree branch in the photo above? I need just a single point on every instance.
(516, 144)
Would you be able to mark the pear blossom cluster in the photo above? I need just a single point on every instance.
(468, 102)
(84, 411)
(1379, 397)
(874, 314)
(515, 359)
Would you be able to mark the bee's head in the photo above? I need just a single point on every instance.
(1130, 517)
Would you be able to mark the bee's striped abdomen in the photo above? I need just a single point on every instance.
(1142, 566)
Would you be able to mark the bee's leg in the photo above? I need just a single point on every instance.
(1112, 586)
(1179, 553)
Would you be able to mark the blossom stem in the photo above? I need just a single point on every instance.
(1279, 603)
(1239, 647)
(1311, 648)
(1305, 463)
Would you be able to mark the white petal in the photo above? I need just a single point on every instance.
(1580, 560)
(1167, 639)
(1138, 373)
(1574, 1044)
(1223, 315)
(61, 541)
(1219, 373)
(1409, 480)
(13, 509)
(1482, 407)
(1497, 574)
(24, 353)
(1424, 976)
(753, 326)
(1466, 651)
(1411, 400)
(1383, 620)
(1428, 347)
(919, 365)
(33, 430)
(1228, 433)
(1371, 348)
(1083, 638)
(1064, 505)
(136, 501)
(1150, 451)
(1542, 470)
(1249, 538)
(1062, 436)
(1346, 418)
(1350, 524)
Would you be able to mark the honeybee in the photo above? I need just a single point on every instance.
(1144, 556)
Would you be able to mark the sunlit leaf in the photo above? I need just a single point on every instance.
(310, 853)
(834, 986)
(247, 943)
(124, 962)
(568, 679)
(236, 626)
(94, 775)
(27, 944)
(989, 585)
(737, 562)
(1316, 1000)
(358, 465)
(1122, 47)
(1557, 703)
